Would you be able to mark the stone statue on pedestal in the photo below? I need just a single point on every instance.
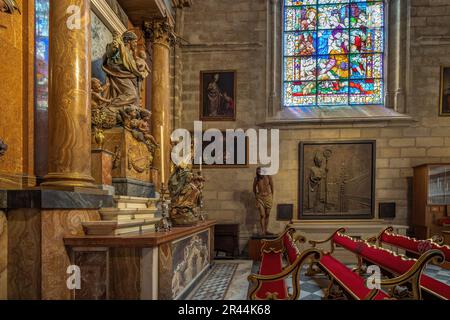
(186, 193)
(263, 190)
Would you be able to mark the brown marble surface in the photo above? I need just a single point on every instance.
(3, 256)
(130, 151)
(102, 167)
(24, 254)
(94, 275)
(125, 277)
(146, 240)
(55, 225)
(16, 96)
(165, 267)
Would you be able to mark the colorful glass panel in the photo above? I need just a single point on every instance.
(42, 9)
(333, 52)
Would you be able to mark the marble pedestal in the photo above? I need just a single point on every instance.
(37, 221)
(132, 171)
(102, 165)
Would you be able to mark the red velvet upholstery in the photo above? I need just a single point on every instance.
(291, 249)
(271, 264)
(413, 245)
(348, 278)
(444, 221)
(435, 286)
(393, 263)
(347, 242)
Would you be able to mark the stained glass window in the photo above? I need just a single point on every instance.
(333, 53)
(41, 47)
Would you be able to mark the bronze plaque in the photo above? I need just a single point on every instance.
(337, 180)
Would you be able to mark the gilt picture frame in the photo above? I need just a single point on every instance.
(218, 90)
(337, 180)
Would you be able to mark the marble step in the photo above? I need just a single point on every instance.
(136, 226)
(124, 202)
(119, 227)
(118, 214)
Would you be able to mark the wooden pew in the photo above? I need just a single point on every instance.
(270, 282)
(409, 271)
(414, 246)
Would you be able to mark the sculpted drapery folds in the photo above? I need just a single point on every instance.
(185, 190)
(123, 74)
(117, 102)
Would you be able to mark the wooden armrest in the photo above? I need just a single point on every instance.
(414, 273)
(300, 239)
(316, 242)
(269, 241)
(372, 294)
(438, 239)
(294, 269)
(372, 240)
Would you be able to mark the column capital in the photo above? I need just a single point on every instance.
(160, 31)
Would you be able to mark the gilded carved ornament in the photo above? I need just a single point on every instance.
(160, 31)
(9, 6)
(117, 103)
(3, 148)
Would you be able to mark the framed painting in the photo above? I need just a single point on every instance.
(337, 180)
(445, 91)
(218, 95)
(227, 158)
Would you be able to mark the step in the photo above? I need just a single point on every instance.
(136, 226)
(125, 202)
(105, 228)
(117, 214)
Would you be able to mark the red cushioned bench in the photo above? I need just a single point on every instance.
(409, 271)
(417, 247)
(270, 282)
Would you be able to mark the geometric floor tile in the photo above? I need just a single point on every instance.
(216, 283)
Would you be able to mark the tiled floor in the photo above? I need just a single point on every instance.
(228, 281)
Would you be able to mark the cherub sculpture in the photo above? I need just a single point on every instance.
(97, 99)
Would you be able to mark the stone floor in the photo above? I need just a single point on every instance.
(227, 280)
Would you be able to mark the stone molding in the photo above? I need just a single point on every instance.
(107, 16)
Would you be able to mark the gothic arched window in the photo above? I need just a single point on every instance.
(333, 53)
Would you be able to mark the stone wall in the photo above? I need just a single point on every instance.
(232, 35)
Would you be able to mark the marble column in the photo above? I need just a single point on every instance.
(161, 33)
(69, 117)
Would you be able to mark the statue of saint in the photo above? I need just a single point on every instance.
(185, 191)
(315, 184)
(214, 96)
(125, 71)
(263, 190)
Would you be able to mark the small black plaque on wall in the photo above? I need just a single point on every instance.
(285, 212)
(387, 210)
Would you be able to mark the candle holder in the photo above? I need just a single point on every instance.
(200, 202)
(163, 205)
